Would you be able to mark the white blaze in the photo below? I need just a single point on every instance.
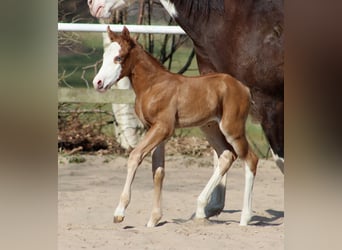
(102, 8)
(170, 8)
(110, 71)
(115, 5)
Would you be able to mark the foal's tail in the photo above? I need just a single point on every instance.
(253, 110)
(250, 96)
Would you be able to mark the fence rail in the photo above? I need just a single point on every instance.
(85, 95)
(90, 27)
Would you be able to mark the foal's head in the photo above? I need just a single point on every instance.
(114, 59)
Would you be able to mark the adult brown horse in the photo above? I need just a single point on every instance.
(241, 38)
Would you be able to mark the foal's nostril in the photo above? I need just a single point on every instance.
(90, 2)
(99, 84)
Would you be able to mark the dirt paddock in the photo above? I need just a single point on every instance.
(88, 193)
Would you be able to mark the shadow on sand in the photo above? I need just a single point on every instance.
(257, 220)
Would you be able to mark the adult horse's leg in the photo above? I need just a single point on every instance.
(158, 170)
(273, 124)
(154, 136)
(212, 199)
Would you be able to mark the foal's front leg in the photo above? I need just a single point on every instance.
(154, 136)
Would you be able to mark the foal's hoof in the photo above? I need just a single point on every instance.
(118, 219)
(245, 218)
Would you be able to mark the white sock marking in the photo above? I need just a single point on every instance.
(247, 198)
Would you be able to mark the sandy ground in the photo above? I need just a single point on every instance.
(88, 193)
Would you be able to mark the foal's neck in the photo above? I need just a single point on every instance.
(145, 69)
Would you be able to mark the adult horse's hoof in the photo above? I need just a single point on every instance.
(118, 219)
(213, 211)
(201, 221)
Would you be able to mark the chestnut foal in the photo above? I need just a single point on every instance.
(217, 103)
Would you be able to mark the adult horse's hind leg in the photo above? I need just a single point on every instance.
(212, 199)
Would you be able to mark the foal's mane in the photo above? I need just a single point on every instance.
(151, 57)
(196, 8)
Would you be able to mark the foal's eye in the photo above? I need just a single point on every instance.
(118, 59)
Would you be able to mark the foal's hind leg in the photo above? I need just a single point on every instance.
(212, 199)
(251, 162)
(235, 134)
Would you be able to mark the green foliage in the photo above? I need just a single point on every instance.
(77, 159)
(257, 138)
(76, 62)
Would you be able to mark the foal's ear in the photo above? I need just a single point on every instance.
(111, 34)
(125, 33)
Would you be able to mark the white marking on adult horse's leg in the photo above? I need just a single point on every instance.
(280, 163)
(278, 160)
(170, 8)
(225, 161)
(158, 162)
(247, 213)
